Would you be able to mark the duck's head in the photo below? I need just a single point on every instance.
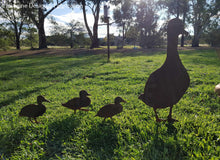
(119, 100)
(41, 99)
(176, 27)
(83, 93)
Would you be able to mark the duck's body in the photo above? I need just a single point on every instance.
(166, 86)
(109, 110)
(33, 110)
(79, 102)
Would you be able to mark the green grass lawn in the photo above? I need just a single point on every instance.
(133, 134)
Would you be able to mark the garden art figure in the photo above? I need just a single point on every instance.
(110, 110)
(79, 102)
(33, 110)
(166, 86)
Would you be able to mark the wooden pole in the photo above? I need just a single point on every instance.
(108, 40)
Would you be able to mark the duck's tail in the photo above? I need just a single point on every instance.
(64, 104)
(20, 114)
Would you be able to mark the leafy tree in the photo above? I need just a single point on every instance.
(146, 19)
(177, 8)
(30, 36)
(81, 40)
(212, 34)
(69, 30)
(14, 14)
(94, 6)
(5, 37)
(58, 40)
(73, 28)
(174, 7)
(132, 35)
(37, 12)
(123, 15)
(202, 15)
(56, 28)
(111, 40)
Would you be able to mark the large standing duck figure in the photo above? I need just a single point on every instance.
(166, 86)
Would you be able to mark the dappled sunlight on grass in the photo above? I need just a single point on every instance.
(132, 133)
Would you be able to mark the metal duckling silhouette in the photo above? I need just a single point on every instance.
(110, 110)
(79, 102)
(166, 86)
(33, 110)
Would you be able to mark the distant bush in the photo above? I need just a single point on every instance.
(213, 37)
(4, 44)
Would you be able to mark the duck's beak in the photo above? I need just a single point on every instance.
(124, 101)
(45, 100)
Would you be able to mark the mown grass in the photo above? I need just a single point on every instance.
(133, 134)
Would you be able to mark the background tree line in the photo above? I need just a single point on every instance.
(140, 22)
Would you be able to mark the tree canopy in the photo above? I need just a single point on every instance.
(145, 18)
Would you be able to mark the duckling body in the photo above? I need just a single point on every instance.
(166, 86)
(110, 110)
(33, 110)
(79, 102)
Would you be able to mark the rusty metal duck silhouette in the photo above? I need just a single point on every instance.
(166, 86)
(78, 102)
(110, 110)
(33, 110)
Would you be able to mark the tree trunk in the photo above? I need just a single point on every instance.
(195, 41)
(71, 39)
(17, 42)
(95, 40)
(93, 36)
(17, 37)
(40, 26)
(95, 43)
(182, 38)
(197, 32)
(123, 34)
(85, 21)
(42, 36)
(17, 31)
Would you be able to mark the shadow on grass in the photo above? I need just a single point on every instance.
(60, 131)
(10, 142)
(102, 139)
(161, 148)
(20, 96)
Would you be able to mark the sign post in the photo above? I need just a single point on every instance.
(106, 19)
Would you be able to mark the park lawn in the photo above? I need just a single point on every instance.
(133, 134)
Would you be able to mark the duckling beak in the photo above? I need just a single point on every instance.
(45, 100)
(124, 101)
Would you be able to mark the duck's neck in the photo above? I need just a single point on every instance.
(172, 42)
(116, 102)
(39, 102)
(83, 97)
